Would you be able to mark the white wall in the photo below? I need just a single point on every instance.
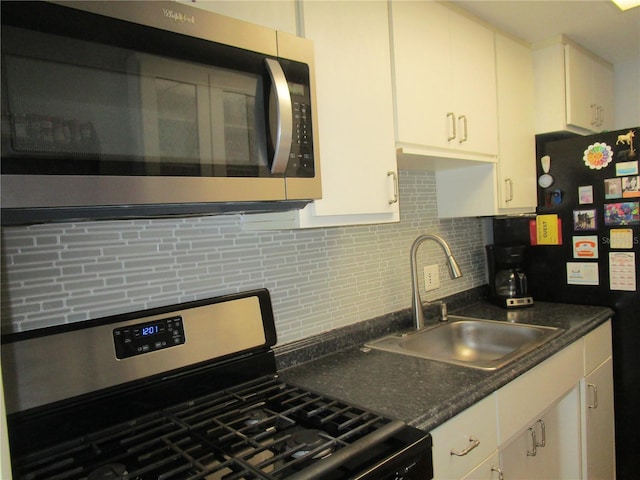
(627, 90)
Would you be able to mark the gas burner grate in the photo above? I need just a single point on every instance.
(247, 432)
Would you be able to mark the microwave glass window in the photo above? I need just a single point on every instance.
(177, 121)
(238, 119)
(125, 112)
(62, 108)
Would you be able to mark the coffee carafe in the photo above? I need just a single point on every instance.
(507, 279)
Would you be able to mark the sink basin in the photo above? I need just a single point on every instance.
(470, 342)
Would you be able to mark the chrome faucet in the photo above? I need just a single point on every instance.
(454, 272)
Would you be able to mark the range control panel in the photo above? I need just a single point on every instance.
(148, 337)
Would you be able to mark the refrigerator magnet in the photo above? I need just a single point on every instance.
(612, 188)
(585, 246)
(621, 238)
(585, 194)
(547, 230)
(582, 273)
(627, 168)
(584, 220)
(631, 187)
(597, 156)
(623, 213)
(622, 271)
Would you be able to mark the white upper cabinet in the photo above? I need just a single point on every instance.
(590, 96)
(574, 89)
(280, 15)
(355, 115)
(508, 186)
(444, 82)
(516, 118)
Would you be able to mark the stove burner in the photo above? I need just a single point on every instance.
(111, 471)
(255, 416)
(306, 440)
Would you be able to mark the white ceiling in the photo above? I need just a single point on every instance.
(597, 25)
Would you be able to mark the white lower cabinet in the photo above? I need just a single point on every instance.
(550, 447)
(487, 470)
(465, 441)
(553, 422)
(597, 407)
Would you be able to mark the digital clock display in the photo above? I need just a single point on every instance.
(150, 330)
(131, 340)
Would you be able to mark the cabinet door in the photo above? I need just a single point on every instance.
(516, 117)
(444, 72)
(465, 441)
(599, 423)
(474, 85)
(280, 15)
(550, 447)
(487, 470)
(355, 119)
(581, 108)
(355, 106)
(422, 73)
(603, 96)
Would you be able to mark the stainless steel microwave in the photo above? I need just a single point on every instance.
(125, 109)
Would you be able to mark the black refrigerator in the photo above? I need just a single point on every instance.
(592, 185)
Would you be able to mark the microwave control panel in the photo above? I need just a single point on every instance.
(301, 156)
(147, 337)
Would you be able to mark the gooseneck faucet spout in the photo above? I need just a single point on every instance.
(454, 272)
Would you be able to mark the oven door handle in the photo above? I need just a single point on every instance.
(280, 116)
(339, 457)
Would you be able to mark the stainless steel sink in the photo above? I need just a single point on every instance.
(470, 342)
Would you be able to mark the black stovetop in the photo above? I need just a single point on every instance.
(262, 429)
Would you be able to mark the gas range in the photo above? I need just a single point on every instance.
(143, 405)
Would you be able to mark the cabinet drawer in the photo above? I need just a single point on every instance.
(521, 400)
(597, 347)
(478, 423)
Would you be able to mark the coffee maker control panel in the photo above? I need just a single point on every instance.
(518, 302)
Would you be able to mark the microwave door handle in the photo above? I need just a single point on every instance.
(283, 128)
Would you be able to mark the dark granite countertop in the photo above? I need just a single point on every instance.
(426, 393)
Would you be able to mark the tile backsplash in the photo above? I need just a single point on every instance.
(319, 279)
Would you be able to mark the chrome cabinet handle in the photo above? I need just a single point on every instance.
(594, 114)
(473, 443)
(464, 124)
(394, 178)
(280, 116)
(452, 116)
(533, 452)
(595, 395)
(500, 474)
(509, 183)
(543, 442)
(600, 116)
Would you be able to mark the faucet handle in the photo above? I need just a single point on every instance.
(444, 315)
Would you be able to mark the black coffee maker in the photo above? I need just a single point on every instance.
(507, 279)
